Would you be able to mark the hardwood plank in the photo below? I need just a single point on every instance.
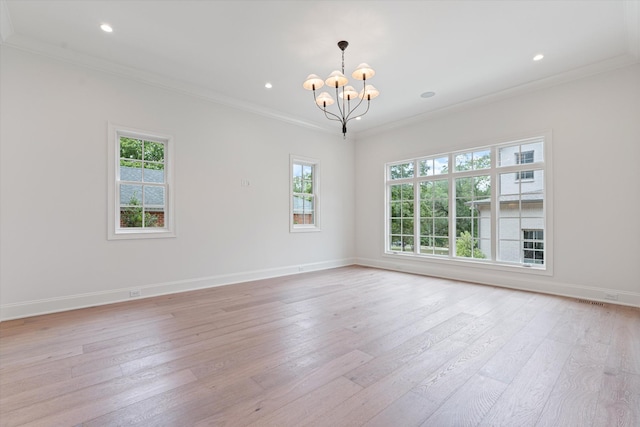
(626, 342)
(386, 363)
(73, 408)
(469, 405)
(14, 397)
(365, 404)
(574, 399)
(410, 410)
(304, 364)
(311, 405)
(508, 361)
(523, 401)
(173, 407)
(443, 382)
(258, 359)
(619, 401)
(573, 325)
(251, 410)
(415, 323)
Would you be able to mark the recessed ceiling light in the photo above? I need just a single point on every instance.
(268, 85)
(538, 57)
(428, 94)
(106, 28)
(358, 118)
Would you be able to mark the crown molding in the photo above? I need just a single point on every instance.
(569, 76)
(58, 53)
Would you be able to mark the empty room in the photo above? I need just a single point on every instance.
(320, 213)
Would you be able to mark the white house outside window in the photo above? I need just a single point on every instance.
(486, 204)
(140, 185)
(522, 158)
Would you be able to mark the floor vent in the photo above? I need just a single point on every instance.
(586, 301)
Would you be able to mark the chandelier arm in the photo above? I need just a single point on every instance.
(341, 110)
(327, 113)
(324, 109)
(360, 115)
(351, 110)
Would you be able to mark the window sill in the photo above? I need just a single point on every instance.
(304, 229)
(485, 265)
(141, 234)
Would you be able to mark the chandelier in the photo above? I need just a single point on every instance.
(346, 111)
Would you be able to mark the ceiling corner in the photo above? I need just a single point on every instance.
(6, 27)
(632, 21)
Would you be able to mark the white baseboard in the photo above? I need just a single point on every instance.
(533, 283)
(72, 302)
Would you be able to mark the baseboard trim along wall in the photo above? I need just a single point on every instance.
(73, 302)
(531, 283)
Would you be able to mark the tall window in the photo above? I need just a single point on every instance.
(467, 205)
(141, 177)
(304, 212)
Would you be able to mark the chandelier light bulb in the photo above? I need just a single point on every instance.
(324, 100)
(313, 82)
(369, 92)
(348, 93)
(336, 79)
(363, 72)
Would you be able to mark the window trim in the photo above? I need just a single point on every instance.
(451, 260)
(114, 231)
(304, 228)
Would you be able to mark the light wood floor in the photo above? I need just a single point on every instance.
(346, 347)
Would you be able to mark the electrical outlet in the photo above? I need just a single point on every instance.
(135, 293)
(613, 297)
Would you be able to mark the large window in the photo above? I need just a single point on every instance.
(304, 184)
(140, 184)
(485, 204)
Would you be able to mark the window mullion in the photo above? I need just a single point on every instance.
(416, 210)
(452, 208)
(495, 204)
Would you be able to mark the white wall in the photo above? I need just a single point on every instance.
(54, 252)
(595, 123)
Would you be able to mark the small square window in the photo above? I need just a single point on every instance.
(522, 158)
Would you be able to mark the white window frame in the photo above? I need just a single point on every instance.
(315, 164)
(115, 231)
(494, 171)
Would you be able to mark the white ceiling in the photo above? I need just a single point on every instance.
(465, 51)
